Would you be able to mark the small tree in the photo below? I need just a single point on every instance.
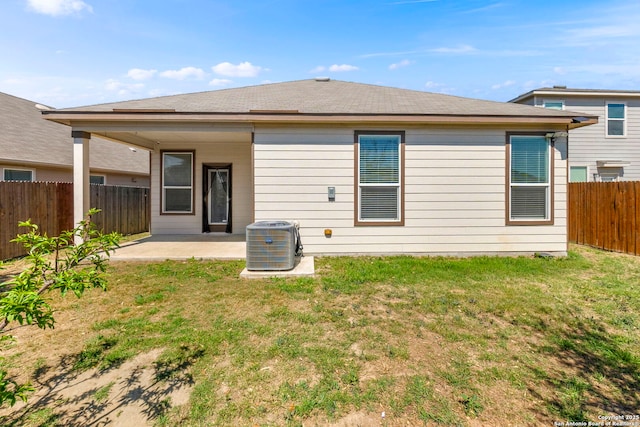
(55, 263)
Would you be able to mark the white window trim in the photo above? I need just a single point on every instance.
(359, 221)
(624, 120)
(561, 101)
(577, 166)
(609, 177)
(33, 173)
(549, 217)
(184, 187)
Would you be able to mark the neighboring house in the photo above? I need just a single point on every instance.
(32, 149)
(608, 151)
(386, 170)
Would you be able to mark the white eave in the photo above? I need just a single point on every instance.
(612, 163)
(83, 118)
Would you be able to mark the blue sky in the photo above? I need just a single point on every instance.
(79, 52)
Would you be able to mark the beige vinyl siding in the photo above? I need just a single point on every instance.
(238, 154)
(589, 144)
(47, 174)
(454, 193)
(125, 180)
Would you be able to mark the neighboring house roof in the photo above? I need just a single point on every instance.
(28, 139)
(321, 97)
(564, 91)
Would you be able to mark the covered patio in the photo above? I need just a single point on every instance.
(182, 247)
(211, 246)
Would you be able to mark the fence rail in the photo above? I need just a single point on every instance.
(50, 205)
(605, 215)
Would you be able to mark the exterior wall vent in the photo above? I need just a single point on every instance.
(272, 245)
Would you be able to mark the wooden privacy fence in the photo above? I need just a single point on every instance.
(605, 215)
(50, 205)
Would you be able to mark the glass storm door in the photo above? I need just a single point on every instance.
(218, 196)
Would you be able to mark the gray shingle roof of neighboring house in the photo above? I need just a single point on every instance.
(330, 97)
(563, 90)
(25, 137)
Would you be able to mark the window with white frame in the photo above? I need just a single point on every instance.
(530, 179)
(554, 105)
(177, 182)
(379, 178)
(608, 176)
(18, 174)
(578, 174)
(616, 114)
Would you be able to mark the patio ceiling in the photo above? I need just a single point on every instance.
(149, 137)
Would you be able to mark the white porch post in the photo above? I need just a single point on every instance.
(81, 195)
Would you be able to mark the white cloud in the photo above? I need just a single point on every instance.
(534, 84)
(58, 7)
(459, 49)
(403, 63)
(140, 74)
(113, 85)
(243, 69)
(318, 69)
(399, 53)
(433, 85)
(343, 67)
(184, 73)
(220, 82)
(503, 84)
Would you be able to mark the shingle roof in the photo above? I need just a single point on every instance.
(562, 90)
(27, 138)
(325, 97)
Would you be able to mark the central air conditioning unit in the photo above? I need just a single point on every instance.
(272, 245)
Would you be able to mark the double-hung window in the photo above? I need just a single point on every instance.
(530, 179)
(177, 182)
(379, 178)
(616, 119)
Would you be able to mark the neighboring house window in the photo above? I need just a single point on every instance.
(177, 182)
(616, 113)
(379, 178)
(18, 175)
(529, 179)
(97, 179)
(554, 105)
(578, 174)
(608, 177)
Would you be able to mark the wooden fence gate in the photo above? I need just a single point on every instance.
(50, 205)
(605, 215)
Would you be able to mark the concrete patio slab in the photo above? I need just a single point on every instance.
(183, 246)
(202, 246)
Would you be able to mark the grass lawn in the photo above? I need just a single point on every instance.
(369, 341)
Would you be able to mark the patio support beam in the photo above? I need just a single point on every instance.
(81, 194)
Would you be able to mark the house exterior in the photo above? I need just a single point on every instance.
(607, 151)
(32, 149)
(364, 169)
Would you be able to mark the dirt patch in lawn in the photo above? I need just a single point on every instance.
(129, 395)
